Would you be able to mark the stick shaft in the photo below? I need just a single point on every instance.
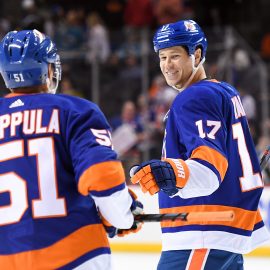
(191, 217)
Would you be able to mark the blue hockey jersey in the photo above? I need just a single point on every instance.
(207, 127)
(55, 150)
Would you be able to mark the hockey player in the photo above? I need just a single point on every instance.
(58, 172)
(208, 162)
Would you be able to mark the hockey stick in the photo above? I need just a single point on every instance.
(192, 216)
(199, 216)
(265, 157)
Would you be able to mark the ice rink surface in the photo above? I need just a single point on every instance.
(148, 261)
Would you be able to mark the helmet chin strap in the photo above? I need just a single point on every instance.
(52, 90)
(52, 87)
(194, 71)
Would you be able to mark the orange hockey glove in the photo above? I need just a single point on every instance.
(168, 175)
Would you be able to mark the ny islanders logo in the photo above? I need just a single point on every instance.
(190, 25)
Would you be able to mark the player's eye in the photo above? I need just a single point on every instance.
(176, 56)
(162, 58)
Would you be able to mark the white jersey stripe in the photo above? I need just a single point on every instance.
(195, 187)
(100, 262)
(189, 259)
(214, 240)
(205, 258)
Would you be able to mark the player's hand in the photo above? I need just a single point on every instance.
(169, 175)
(112, 231)
(136, 209)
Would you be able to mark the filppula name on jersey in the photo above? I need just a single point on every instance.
(31, 121)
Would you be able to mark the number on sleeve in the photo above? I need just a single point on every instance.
(215, 124)
(103, 136)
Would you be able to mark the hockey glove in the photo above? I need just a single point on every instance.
(136, 209)
(168, 175)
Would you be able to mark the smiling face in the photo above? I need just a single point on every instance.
(176, 65)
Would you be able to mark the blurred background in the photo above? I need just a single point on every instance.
(107, 57)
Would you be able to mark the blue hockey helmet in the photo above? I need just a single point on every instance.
(182, 33)
(24, 59)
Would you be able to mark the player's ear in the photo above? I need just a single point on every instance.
(198, 56)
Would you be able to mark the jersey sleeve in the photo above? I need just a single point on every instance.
(97, 170)
(88, 139)
(202, 130)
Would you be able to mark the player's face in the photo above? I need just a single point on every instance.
(176, 65)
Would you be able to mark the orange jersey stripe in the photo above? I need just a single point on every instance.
(197, 260)
(181, 171)
(16, 94)
(214, 80)
(102, 176)
(244, 219)
(213, 157)
(61, 253)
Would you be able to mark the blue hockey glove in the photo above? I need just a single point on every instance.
(154, 175)
(136, 209)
